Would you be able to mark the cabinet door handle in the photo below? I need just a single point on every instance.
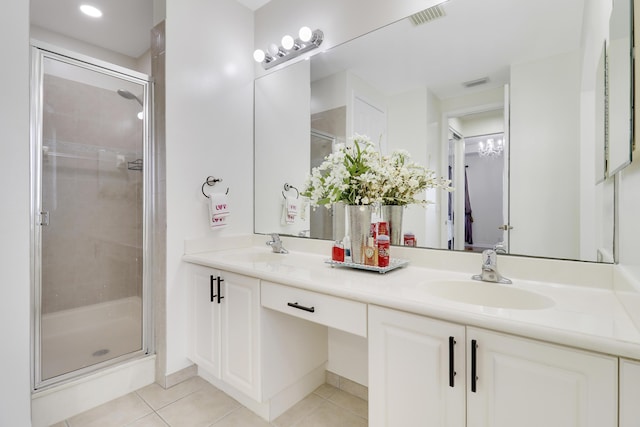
(301, 307)
(219, 296)
(452, 368)
(212, 294)
(474, 362)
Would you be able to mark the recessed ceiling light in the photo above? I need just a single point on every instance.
(92, 11)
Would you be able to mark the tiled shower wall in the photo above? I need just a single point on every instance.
(92, 249)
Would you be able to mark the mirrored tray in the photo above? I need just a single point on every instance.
(393, 264)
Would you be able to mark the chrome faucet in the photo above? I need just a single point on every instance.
(490, 268)
(276, 244)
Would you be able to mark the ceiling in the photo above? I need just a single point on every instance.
(124, 27)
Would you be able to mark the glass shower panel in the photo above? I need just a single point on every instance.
(91, 199)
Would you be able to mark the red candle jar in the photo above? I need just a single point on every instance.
(409, 239)
(337, 253)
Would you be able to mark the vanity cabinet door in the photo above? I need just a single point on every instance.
(224, 332)
(526, 383)
(240, 333)
(416, 371)
(629, 393)
(204, 321)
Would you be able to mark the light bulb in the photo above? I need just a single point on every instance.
(305, 34)
(141, 115)
(287, 42)
(274, 49)
(258, 55)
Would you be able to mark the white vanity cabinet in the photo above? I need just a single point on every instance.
(506, 381)
(528, 383)
(225, 327)
(629, 393)
(416, 370)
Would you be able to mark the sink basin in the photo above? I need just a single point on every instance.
(488, 294)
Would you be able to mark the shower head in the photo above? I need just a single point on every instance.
(128, 95)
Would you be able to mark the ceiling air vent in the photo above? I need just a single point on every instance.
(427, 15)
(476, 82)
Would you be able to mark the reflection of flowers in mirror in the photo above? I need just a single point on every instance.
(491, 149)
(358, 174)
(404, 181)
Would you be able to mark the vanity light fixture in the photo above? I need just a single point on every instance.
(91, 11)
(290, 48)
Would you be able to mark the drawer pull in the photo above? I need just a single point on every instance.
(301, 307)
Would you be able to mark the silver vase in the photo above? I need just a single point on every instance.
(359, 229)
(339, 225)
(392, 214)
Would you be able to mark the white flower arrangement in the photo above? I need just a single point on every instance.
(405, 180)
(358, 175)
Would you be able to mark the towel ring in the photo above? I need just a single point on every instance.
(288, 187)
(211, 181)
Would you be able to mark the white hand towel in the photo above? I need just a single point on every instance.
(218, 221)
(220, 204)
(292, 206)
(287, 217)
(218, 210)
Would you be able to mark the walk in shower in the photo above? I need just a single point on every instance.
(90, 202)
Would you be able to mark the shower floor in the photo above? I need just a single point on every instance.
(81, 337)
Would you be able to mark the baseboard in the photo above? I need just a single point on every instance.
(279, 403)
(347, 385)
(168, 381)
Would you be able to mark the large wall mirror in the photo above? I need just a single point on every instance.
(499, 96)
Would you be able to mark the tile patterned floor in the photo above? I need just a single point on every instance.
(196, 403)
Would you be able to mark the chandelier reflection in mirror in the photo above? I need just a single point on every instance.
(290, 48)
(491, 148)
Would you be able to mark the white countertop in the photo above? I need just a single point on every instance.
(581, 316)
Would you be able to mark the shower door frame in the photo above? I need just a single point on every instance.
(39, 52)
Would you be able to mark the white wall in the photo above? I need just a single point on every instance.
(407, 129)
(209, 128)
(542, 157)
(628, 200)
(628, 224)
(596, 230)
(435, 149)
(15, 395)
(329, 93)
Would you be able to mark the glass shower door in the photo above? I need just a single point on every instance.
(90, 218)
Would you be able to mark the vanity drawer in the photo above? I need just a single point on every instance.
(339, 313)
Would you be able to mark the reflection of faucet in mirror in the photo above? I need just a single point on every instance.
(304, 233)
(500, 248)
(490, 269)
(276, 244)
